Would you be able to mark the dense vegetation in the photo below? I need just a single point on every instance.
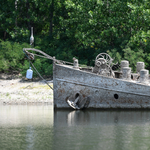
(74, 28)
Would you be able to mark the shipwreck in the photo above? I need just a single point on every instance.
(100, 86)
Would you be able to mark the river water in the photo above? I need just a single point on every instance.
(42, 128)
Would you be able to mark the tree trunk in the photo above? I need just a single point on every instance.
(28, 7)
(5, 35)
(51, 18)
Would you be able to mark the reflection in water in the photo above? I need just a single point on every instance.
(72, 118)
(35, 128)
(105, 130)
(26, 127)
(18, 115)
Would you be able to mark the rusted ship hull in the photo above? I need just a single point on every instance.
(102, 92)
(101, 86)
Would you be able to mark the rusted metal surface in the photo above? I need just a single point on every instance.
(104, 92)
(101, 86)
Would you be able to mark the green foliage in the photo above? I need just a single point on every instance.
(48, 69)
(115, 55)
(11, 55)
(73, 28)
(44, 67)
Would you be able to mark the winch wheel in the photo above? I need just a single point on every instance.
(105, 56)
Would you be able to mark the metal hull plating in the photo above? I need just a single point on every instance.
(104, 92)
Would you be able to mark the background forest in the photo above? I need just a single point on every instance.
(74, 28)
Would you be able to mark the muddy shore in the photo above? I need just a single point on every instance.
(19, 91)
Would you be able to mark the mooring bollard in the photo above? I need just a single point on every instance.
(124, 63)
(75, 63)
(139, 66)
(144, 76)
(126, 73)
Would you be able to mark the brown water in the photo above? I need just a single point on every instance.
(41, 128)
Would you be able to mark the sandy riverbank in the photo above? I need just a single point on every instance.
(18, 91)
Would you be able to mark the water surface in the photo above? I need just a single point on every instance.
(26, 127)
(41, 128)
